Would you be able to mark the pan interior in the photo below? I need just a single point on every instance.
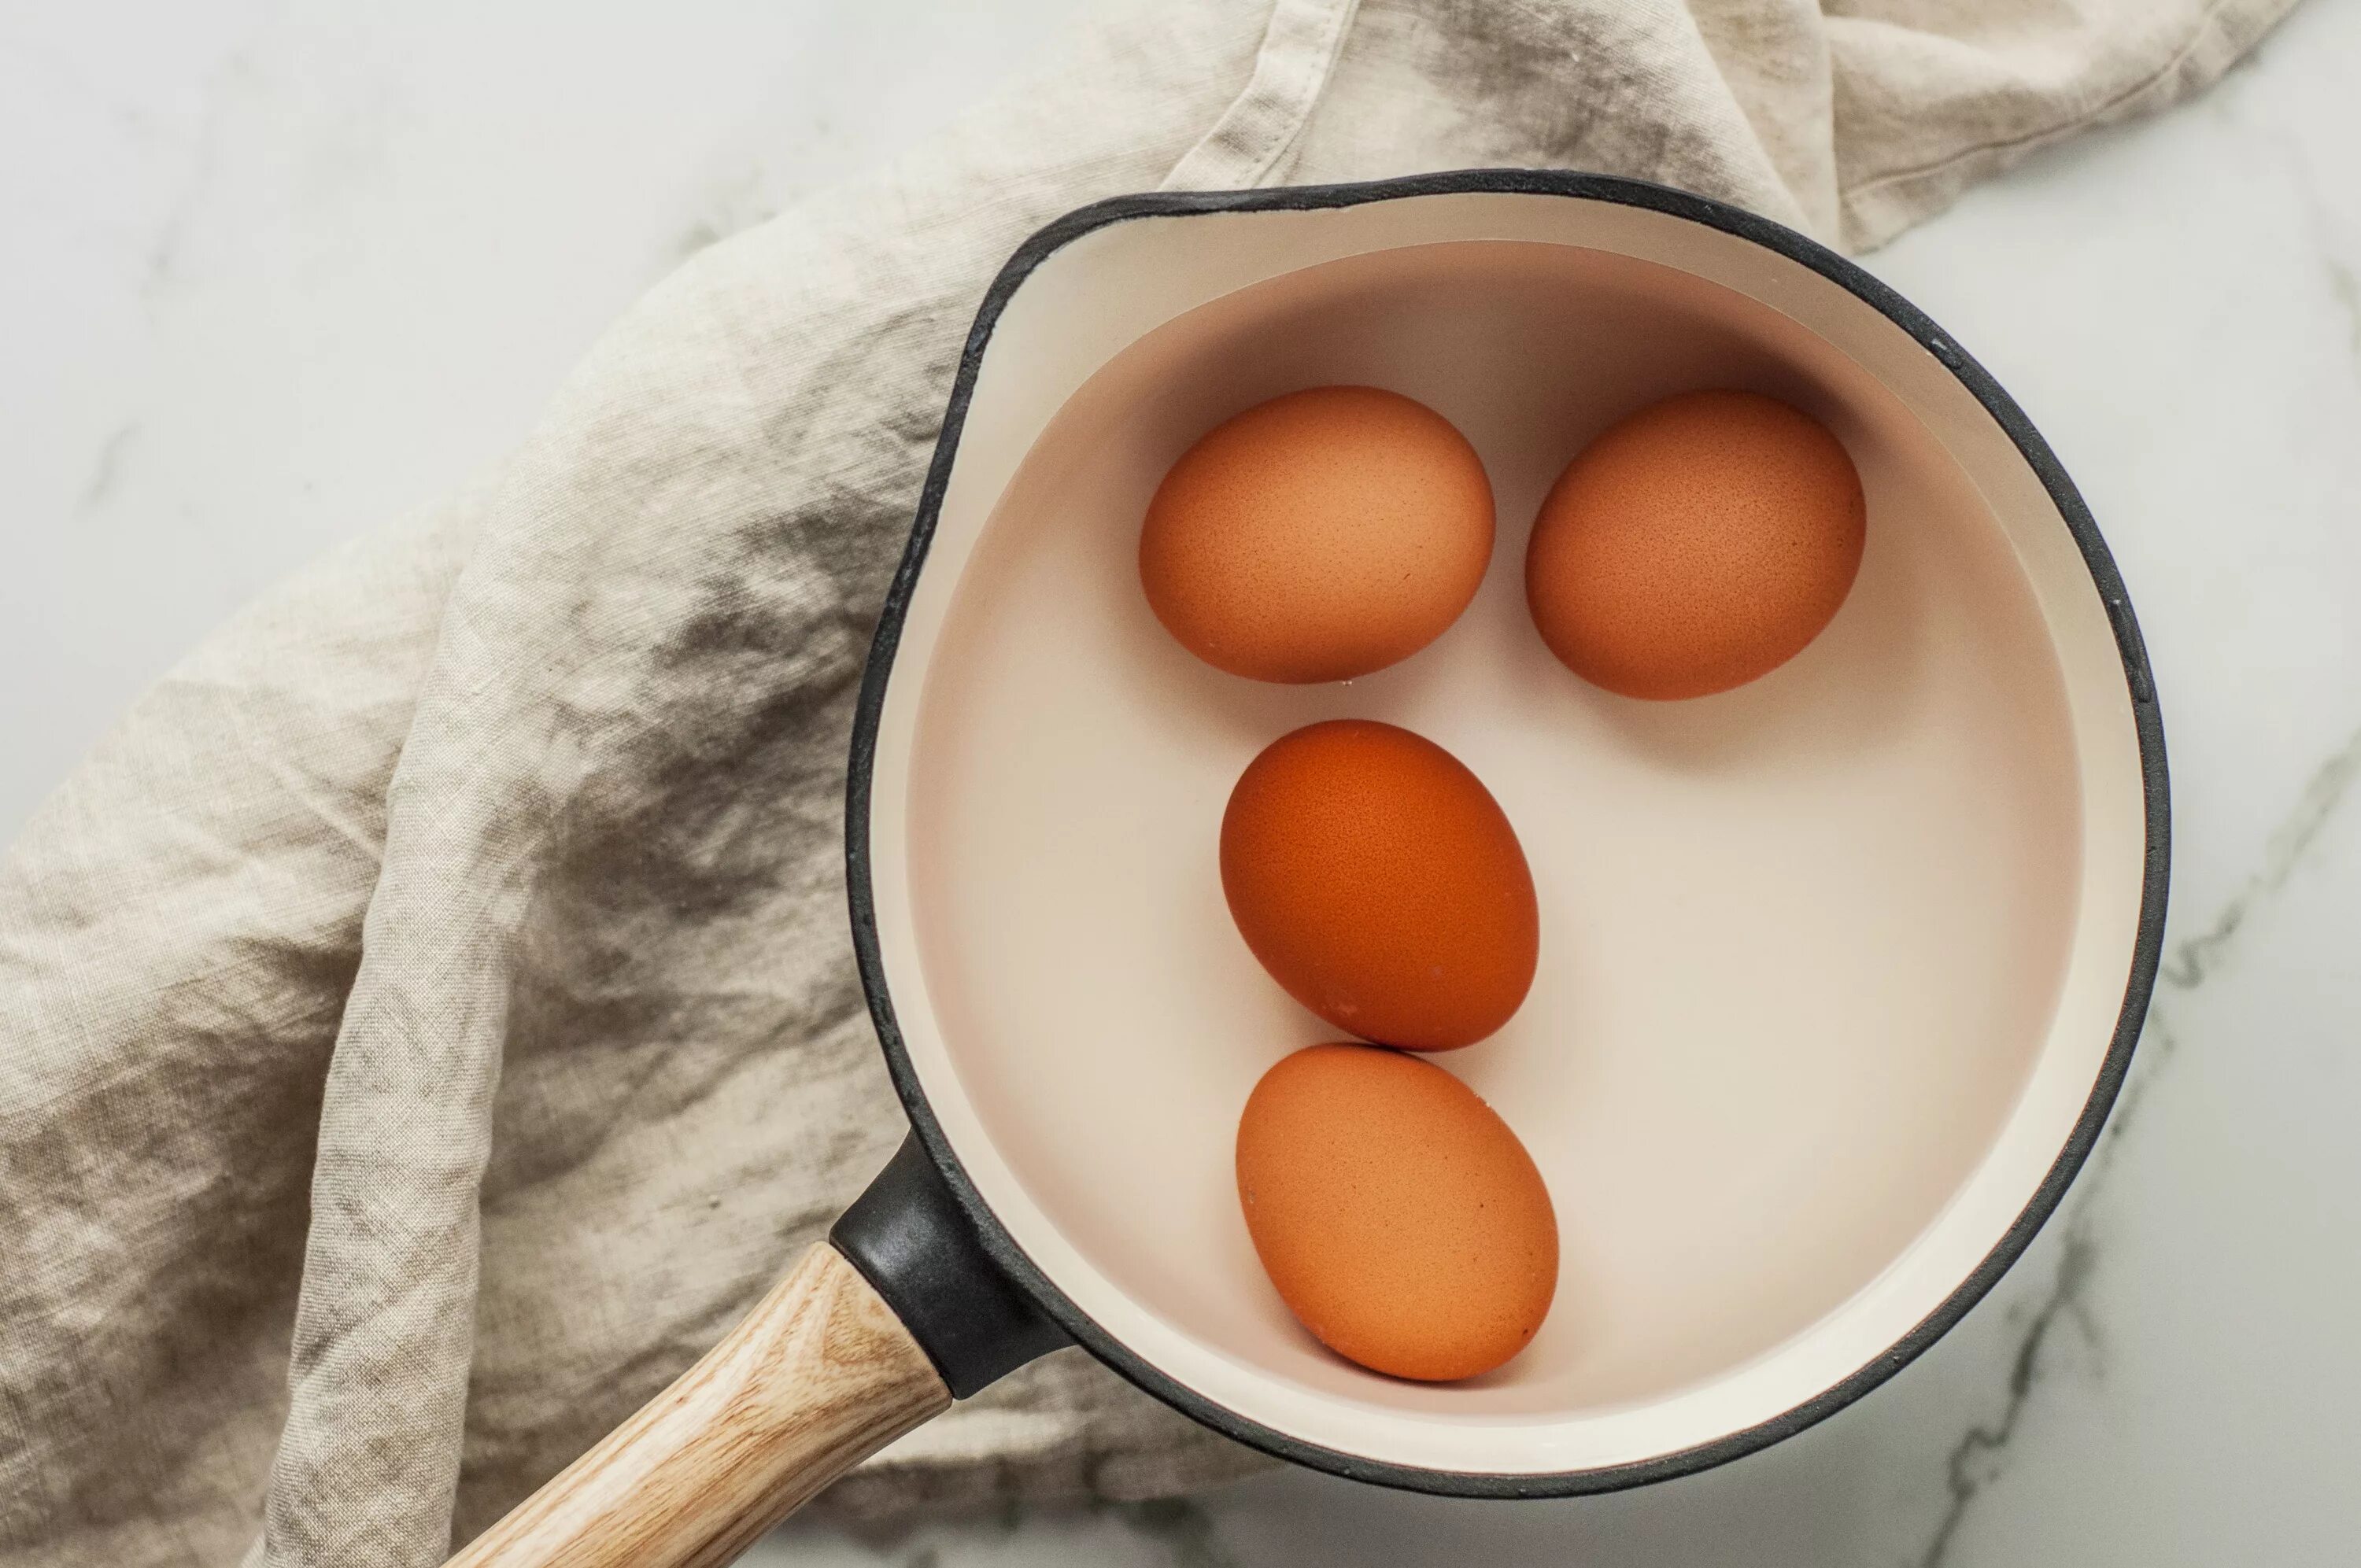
(1805, 946)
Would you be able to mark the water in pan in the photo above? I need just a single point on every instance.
(1801, 941)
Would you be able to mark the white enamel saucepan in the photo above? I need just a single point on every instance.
(1840, 969)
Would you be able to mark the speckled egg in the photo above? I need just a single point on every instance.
(1318, 536)
(1696, 545)
(1401, 1218)
(1381, 885)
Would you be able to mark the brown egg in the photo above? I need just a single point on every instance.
(1381, 885)
(1401, 1218)
(1696, 545)
(1318, 536)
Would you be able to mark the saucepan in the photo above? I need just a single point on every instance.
(1841, 970)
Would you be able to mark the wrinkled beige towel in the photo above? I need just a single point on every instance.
(429, 1020)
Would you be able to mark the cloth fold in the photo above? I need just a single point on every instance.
(429, 1020)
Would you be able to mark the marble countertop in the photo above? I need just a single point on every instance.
(274, 274)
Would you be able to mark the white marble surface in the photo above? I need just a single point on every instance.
(271, 274)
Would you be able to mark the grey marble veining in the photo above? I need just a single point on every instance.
(275, 275)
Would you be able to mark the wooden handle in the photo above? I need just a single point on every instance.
(818, 1375)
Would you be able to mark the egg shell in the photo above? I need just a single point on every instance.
(1381, 885)
(1401, 1218)
(1696, 545)
(1318, 536)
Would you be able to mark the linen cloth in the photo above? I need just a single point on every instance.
(430, 1020)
